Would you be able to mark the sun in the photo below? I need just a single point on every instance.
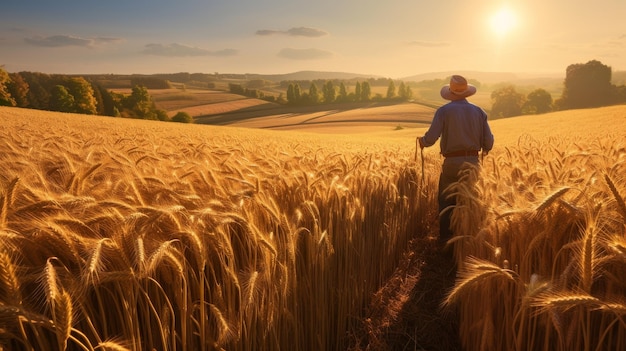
(503, 22)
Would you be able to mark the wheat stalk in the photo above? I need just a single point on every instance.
(620, 201)
(111, 346)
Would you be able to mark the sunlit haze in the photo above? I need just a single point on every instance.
(503, 21)
(387, 38)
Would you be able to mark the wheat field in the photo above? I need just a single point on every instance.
(139, 235)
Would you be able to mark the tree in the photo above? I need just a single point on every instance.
(139, 104)
(297, 94)
(313, 94)
(182, 117)
(18, 88)
(39, 89)
(404, 92)
(366, 91)
(538, 101)
(84, 100)
(507, 102)
(343, 93)
(587, 85)
(620, 94)
(97, 95)
(391, 90)
(236, 89)
(291, 96)
(61, 100)
(108, 103)
(329, 92)
(161, 115)
(5, 97)
(357, 91)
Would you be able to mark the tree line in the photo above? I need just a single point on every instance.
(77, 94)
(586, 85)
(332, 93)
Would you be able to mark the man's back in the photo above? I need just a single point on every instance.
(462, 126)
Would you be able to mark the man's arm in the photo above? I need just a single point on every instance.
(488, 139)
(433, 133)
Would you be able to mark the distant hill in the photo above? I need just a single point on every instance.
(482, 77)
(486, 77)
(310, 75)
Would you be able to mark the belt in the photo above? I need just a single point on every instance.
(462, 153)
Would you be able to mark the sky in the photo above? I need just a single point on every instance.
(390, 38)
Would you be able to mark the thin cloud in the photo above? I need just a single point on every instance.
(620, 41)
(304, 54)
(428, 44)
(225, 52)
(107, 40)
(266, 32)
(306, 32)
(180, 50)
(296, 32)
(59, 41)
(55, 41)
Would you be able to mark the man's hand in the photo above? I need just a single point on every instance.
(420, 141)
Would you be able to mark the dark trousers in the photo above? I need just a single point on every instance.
(450, 174)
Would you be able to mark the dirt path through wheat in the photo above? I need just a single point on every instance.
(406, 314)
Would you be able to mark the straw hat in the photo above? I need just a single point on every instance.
(458, 89)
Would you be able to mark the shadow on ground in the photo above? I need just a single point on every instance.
(406, 314)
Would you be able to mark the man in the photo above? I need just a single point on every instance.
(464, 132)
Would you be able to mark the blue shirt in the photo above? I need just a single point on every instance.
(462, 126)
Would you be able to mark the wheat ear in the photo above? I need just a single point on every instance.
(9, 282)
(565, 301)
(62, 314)
(7, 201)
(620, 201)
(550, 199)
(476, 271)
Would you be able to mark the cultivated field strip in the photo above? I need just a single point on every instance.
(127, 235)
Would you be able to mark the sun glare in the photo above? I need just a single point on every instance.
(503, 22)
